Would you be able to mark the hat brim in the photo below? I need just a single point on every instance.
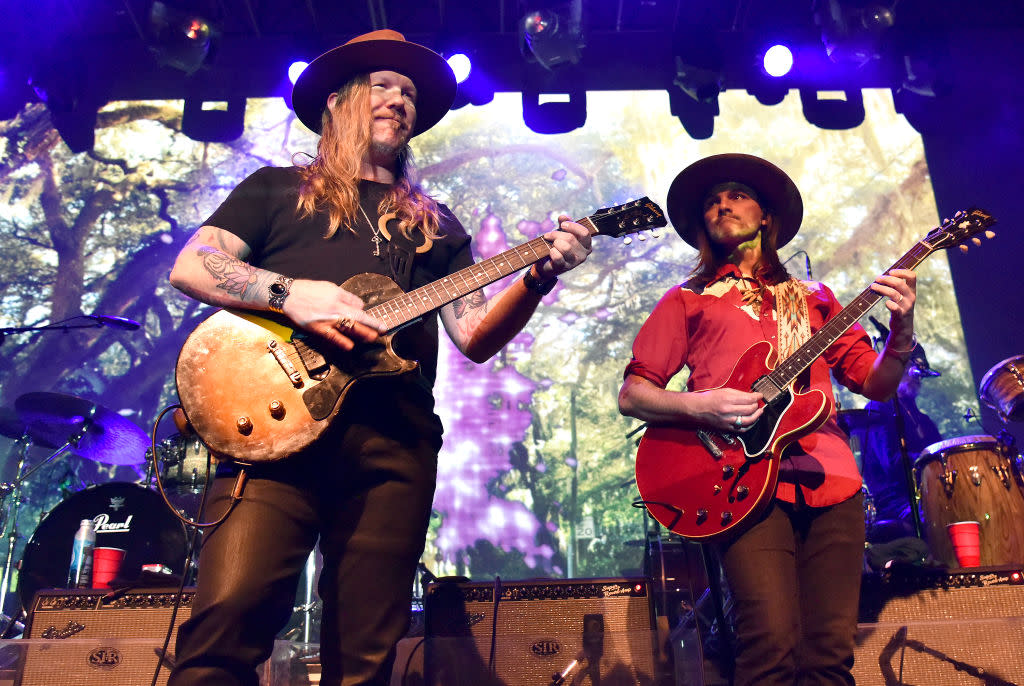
(775, 190)
(433, 78)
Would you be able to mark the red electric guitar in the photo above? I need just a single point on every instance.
(704, 484)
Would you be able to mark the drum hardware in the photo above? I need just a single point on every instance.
(1002, 389)
(975, 474)
(949, 481)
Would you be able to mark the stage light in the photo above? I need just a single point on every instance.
(550, 38)
(778, 60)
(72, 105)
(697, 117)
(461, 65)
(551, 113)
(179, 38)
(852, 32)
(833, 109)
(296, 68)
(213, 121)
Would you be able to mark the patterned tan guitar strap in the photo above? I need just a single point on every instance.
(794, 318)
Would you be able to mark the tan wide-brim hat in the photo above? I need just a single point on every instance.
(776, 193)
(383, 50)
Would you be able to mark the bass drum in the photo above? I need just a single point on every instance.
(127, 516)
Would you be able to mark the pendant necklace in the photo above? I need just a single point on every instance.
(377, 239)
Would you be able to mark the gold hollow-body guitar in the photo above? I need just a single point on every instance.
(257, 391)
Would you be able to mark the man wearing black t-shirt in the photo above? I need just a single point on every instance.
(282, 242)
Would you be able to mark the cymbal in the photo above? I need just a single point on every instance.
(53, 419)
(859, 418)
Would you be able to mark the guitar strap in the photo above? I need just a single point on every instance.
(794, 318)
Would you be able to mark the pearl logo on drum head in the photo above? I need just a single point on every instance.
(105, 526)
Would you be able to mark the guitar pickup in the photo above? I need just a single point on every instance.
(315, 363)
(709, 443)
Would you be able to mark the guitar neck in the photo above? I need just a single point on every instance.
(789, 369)
(410, 306)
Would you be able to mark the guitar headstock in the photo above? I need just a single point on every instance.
(963, 226)
(625, 219)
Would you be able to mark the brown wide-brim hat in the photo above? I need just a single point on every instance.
(776, 193)
(383, 50)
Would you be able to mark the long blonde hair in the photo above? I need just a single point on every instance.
(331, 181)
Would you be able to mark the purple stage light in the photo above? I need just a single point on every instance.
(461, 65)
(294, 69)
(778, 60)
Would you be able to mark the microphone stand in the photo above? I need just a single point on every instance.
(908, 469)
(57, 326)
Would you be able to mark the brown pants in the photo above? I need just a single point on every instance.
(795, 581)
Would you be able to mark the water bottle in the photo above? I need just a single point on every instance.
(80, 573)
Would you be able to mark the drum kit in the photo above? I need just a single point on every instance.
(128, 515)
(970, 478)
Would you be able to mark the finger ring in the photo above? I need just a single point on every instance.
(900, 300)
(739, 422)
(344, 323)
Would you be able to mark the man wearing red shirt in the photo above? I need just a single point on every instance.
(794, 574)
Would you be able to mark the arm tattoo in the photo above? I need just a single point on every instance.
(232, 275)
(464, 305)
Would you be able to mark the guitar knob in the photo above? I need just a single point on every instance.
(244, 425)
(727, 471)
(726, 517)
(276, 409)
(742, 492)
(717, 489)
(702, 515)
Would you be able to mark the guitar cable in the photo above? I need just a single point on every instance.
(194, 526)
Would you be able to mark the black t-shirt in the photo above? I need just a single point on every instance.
(262, 211)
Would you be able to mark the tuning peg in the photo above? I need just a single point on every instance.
(976, 240)
(641, 237)
(990, 234)
(627, 240)
(963, 249)
(655, 233)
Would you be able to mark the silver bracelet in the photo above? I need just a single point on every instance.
(279, 291)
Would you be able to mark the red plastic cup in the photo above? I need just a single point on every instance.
(966, 540)
(106, 563)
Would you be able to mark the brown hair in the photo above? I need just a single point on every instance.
(331, 181)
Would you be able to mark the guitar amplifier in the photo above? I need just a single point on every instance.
(594, 631)
(99, 638)
(928, 627)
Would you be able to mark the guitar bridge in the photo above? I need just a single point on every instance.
(709, 443)
(286, 365)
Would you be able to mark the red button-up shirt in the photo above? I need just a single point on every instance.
(708, 332)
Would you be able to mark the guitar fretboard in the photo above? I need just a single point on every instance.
(794, 365)
(410, 306)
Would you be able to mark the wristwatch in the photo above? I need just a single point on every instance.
(534, 284)
(279, 290)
